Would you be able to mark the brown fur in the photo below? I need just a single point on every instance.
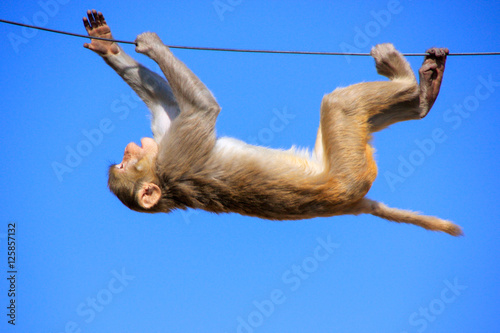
(194, 169)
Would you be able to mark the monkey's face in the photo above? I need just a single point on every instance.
(135, 175)
(137, 157)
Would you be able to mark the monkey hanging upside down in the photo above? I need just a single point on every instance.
(186, 165)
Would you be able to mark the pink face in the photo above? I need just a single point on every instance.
(134, 153)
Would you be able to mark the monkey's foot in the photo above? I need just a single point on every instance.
(96, 26)
(431, 76)
(390, 63)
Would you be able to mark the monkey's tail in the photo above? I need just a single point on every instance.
(400, 215)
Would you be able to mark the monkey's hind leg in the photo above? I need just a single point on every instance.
(412, 101)
(401, 93)
(348, 116)
(343, 143)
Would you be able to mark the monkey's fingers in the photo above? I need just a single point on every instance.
(87, 26)
(100, 19)
(92, 15)
(93, 20)
(89, 29)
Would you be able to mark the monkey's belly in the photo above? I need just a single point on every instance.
(269, 199)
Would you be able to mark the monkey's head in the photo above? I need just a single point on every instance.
(134, 180)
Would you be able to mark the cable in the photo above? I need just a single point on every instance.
(239, 50)
(65, 33)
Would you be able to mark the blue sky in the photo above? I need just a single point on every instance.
(86, 263)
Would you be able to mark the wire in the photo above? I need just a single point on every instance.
(64, 32)
(238, 50)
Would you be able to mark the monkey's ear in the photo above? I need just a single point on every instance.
(149, 195)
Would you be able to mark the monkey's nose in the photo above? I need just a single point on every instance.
(131, 148)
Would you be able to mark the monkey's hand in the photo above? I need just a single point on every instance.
(96, 26)
(147, 43)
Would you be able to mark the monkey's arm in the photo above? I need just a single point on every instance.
(189, 91)
(150, 87)
(191, 137)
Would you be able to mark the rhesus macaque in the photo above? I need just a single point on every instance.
(186, 165)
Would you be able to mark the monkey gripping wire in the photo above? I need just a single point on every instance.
(235, 50)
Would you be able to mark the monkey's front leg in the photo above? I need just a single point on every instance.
(192, 137)
(431, 76)
(191, 94)
(152, 88)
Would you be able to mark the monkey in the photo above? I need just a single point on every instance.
(185, 165)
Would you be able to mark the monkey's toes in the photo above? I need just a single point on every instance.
(437, 52)
(380, 51)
